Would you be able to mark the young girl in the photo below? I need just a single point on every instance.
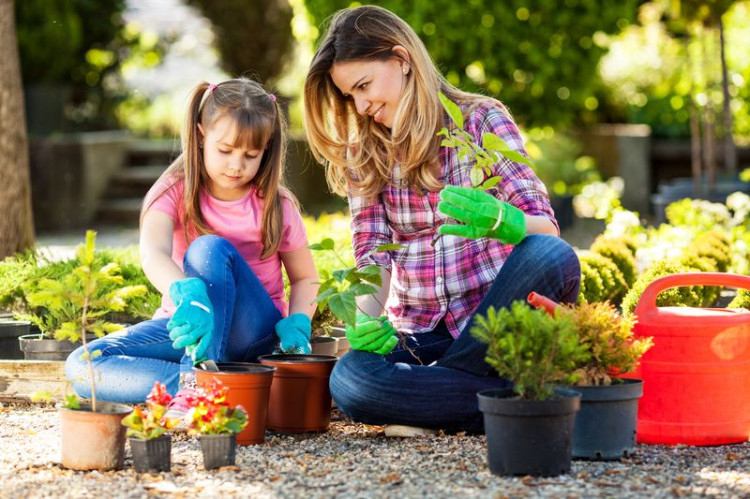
(215, 230)
(372, 115)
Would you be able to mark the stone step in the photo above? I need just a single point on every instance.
(153, 152)
(134, 181)
(121, 211)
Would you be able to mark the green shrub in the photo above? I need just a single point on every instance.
(613, 285)
(686, 296)
(608, 338)
(616, 249)
(558, 162)
(742, 300)
(530, 348)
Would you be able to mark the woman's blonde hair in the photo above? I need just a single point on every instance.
(260, 125)
(357, 151)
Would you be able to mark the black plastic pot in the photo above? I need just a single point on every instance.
(152, 455)
(36, 348)
(10, 331)
(218, 450)
(529, 437)
(605, 425)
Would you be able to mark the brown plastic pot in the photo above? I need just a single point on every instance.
(300, 398)
(249, 386)
(93, 440)
(324, 345)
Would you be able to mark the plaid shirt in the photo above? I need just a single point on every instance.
(439, 276)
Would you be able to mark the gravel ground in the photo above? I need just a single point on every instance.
(355, 460)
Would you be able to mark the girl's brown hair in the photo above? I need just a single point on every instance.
(260, 125)
(357, 151)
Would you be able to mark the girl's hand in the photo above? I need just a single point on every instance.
(294, 334)
(371, 334)
(482, 215)
(193, 321)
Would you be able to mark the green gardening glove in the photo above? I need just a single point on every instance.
(372, 334)
(482, 215)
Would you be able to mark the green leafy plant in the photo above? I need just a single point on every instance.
(75, 298)
(153, 422)
(46, 297)
(531, 348)
(211, 414)
(608, 338)
(616, 249)
(558, 162)
(482, 158)
(601, 279)
(742, 300)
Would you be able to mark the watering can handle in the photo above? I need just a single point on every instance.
(648, 298)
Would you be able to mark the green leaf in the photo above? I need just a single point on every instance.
(495, 143)
(388, 247)
(491, 182)
(360, 289)
(452, 109)
(324, 295)
(341, 275)
(344, 307)
(324, 245)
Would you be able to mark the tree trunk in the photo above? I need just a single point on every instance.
(730, 154)
(16, 222)
(695, 133)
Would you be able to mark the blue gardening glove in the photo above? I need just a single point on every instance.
(193, 321)
(372, 334)
(294, 334)
(481, 214)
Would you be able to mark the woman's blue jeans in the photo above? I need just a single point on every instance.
(442, 393)
(131, 360)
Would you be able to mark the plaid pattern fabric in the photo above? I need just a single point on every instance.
(437, 276)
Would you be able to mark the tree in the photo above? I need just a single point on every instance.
(16, 224)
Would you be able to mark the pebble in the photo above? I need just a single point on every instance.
(357, 460)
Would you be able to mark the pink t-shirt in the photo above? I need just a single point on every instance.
(239, 222)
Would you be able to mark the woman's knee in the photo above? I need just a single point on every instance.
(350, 384)
(76, 371)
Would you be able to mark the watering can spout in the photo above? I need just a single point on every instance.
(542, 302)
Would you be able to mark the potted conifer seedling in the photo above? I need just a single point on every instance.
(529, 428)
(150, 443)
(216, 423)
(92, 434)
(606, 424)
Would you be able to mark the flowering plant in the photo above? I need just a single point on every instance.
(211, 414)
(151, 423)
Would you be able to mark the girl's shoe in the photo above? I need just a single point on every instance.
(178, 408)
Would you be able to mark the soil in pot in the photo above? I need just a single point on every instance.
(606, 424)
(529, 437)
(300, 398)
(249, 386)
(10, 332)
(218, 450)
(152, 455)
(93, 440)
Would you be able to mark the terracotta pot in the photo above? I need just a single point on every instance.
(93, 440)
(300, 398)
(249, 386)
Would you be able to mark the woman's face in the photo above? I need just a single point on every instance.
(375, 87)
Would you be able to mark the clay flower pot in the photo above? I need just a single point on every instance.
(93, 440)
(249, 386)
(300, 398)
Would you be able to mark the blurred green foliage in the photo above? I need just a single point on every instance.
(254, 37)
(79, 45)
(558, 162)
(648, 78)
(539, 58)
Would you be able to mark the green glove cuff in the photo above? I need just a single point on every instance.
(512, 228)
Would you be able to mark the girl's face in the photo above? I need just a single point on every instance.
(375, 86)
(230, 169)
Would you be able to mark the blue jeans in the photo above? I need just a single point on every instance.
(396, 389)
(133, 359)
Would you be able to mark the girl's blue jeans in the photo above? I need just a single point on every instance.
(441, 392)
(130, 361)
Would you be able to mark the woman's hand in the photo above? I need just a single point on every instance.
(482, 215)
(371, 334)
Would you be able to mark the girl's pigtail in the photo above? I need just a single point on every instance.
(273, 188)
(192, 219)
